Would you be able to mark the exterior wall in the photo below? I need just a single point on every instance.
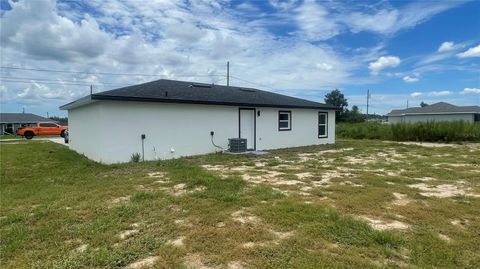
(431, 117)
(304, 129)
(85, 131)
(395, 119)
(110, 131)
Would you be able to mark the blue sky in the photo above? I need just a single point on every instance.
(399, 50)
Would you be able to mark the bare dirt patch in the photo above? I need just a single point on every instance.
(453, 164)
(245, 217)
(444, 237)
(278, 237)
(357, 160)
(400, 199)
(127, 233)
(328, 176)
(81, 248)
(176, 242)
(157, 174)
(120, 200)
(443, 190)
(459, 222)
(334, 150)
(350, 183)
(425, 179)
(267, 177)
(235, 265)
(196, 261)
(143, 263)
(281, 235)
(304, 175)
(305, 157)
(381, 225)
(429, 144)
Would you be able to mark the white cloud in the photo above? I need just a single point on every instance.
(283, 4)
(416, 94)
(185, 43)
(315, 22)
(192, 40)
(446, 46)
(411, 78)
(389, 20)
(383, 62)
(440, 93)
(323, 20)
(324, 66)
(471, 52)
(470, 91)
(382, 22)
(35, 28)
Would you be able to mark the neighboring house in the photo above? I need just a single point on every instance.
(177, 118)
(10, 122)
(436, 112)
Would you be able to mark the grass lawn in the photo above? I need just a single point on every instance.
(356, 204)
(7, 136)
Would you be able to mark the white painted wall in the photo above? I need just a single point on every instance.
(431, 117)
(304, 129)
(85, 130)
(110, 131)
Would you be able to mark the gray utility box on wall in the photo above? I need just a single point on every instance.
(237, 144)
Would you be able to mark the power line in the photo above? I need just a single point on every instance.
(96, 73)
(52, 83)
(253, 83)
(60, 80)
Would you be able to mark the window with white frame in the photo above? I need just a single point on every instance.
(284, 120)
(322, 124)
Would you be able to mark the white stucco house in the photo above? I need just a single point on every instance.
(166, 119)
(436, 112)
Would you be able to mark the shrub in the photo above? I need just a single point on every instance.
(421, 131)
(135, 158)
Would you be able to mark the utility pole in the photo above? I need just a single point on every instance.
(47, 115)
(368, 99)
(91, 89)
(23, 110)
(228, 73)
(407, 103)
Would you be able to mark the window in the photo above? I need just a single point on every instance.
(48, 124)
(322, 124)
(284, 120)
(476, 117)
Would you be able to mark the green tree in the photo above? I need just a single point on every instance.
(355, 109)
(423, 104)
(336, 98)
(354, 115)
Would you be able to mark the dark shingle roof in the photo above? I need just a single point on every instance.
(21, 118)
(440, 107)
(172, 91)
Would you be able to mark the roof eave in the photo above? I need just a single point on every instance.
(181, 101)
(78, 103)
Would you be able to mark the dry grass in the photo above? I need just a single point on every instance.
(362, 204)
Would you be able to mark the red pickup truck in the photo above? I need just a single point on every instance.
(42, 128)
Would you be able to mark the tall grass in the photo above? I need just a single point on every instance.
(454, 131)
